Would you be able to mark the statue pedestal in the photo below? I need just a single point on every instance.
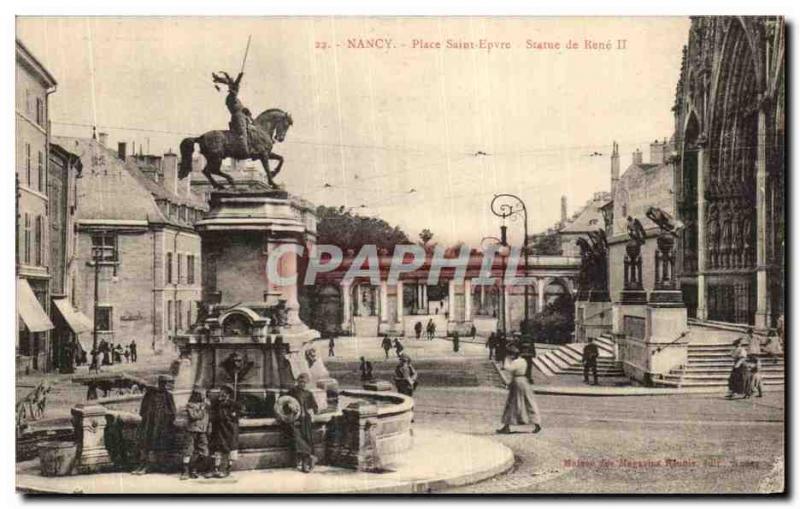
(591, 319)
(663, 345)
(89, 422)
(634, 297)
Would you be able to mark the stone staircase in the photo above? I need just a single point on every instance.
(709, 365)
(457, 372)
(566, 359)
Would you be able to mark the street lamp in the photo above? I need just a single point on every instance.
(513, 210)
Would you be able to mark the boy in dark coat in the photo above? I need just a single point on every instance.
(224, 432)
(156, 431)
(302, 430)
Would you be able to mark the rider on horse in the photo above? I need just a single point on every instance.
(241, 118)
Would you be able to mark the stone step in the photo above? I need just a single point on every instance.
(607, 346)
(572, 353)
(566, 358)
(570, 360)
(713, 377)
(542, 367)
(578, 349)
(555, 357)
(600, 372)
(695, 369)
(548, 362)
(693, 383)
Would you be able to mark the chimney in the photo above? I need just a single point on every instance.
(637, 157)
(658, 152)
(563, 209)
(169, 167)
(103, 138)
(122, 150)
(614, 167)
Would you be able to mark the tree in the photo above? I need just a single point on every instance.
(546, 244)
(425, 236)
(340, 227)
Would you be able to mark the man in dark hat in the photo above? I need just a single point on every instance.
(302, 431)
(224, 431)
(491, 343)
(405, 376)
(590, 354)
(156, 431)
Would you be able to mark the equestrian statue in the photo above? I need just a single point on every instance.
(247, 138)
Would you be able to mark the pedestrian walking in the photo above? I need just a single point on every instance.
(133, 350)
(224, 438)
(473, 331)
(520, 408)
(456, 341)
(500, 349)
(418, 329)
(127, 354)
(195, 448)
(491, 343)
(405, 376)
(754, 364)
(430, 329)
(104, 350)
(331, 346)
(386, 344)
(590, 355)
(398, 346)
(302, 431)
(118, 354)
(156, 430)
(739, 379)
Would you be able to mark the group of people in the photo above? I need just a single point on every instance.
(745, 379)
(108, 353)
(430, 330)
(496, 343)
(387, 344)
(212, 429)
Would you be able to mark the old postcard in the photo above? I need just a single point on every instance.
(490, 255)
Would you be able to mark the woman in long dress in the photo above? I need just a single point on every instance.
(739, 380)
(521, 408)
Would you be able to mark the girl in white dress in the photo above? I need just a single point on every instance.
(521, 405)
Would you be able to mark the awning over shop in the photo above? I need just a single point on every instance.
(76, 320)
(30, 310)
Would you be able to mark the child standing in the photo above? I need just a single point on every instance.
(224, 432)
(755, 377)
(196, 433)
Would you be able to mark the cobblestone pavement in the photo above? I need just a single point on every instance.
(661, 444)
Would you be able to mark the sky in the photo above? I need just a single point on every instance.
(420, 136)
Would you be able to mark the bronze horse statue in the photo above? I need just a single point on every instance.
(215, 146)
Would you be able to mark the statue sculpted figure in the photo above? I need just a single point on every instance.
(664, 220)
(248, 137)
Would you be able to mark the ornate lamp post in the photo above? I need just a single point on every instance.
(507, 205)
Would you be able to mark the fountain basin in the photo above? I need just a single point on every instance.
(366, 431)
